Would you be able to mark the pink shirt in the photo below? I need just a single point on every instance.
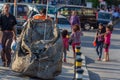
(65, 42)
(107, 37)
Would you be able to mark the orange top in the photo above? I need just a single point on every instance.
(42, 17)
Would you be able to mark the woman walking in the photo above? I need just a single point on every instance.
(99, 39)
(74, 19)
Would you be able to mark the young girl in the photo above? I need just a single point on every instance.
(65, 43)
(107, 39)
(75, 36)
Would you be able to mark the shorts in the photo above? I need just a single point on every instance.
(74, 45)
(106, 47)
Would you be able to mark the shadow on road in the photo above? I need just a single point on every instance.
(93, 76)
(89, 60)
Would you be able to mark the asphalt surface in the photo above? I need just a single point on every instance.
(99, 70)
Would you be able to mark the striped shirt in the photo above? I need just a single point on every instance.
(76, 36)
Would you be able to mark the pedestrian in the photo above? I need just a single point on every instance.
(74, 19)
(75, 37)
(65, 39)
(0, 41)
(99, 39)
(7, 25)
(115, 15)
(107, 38)
(41, 16)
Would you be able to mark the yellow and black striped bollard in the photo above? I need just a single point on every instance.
(79, 74)
(78, 55)
(77, 49)
(78, 63)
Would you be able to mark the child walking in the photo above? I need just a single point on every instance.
(107, 38)
(65, 43)
(75, 37)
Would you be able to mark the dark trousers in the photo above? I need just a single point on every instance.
(65, 52)
(6, 44)
(99, 48)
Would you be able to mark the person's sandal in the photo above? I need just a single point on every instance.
(98, 59)
(4, 64)
(104, 60)
(65, 60)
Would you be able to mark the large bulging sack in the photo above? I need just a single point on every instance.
(39, 51)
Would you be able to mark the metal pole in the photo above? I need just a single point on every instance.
(26, 1)
(46, 18)
(47, 9)
(4, 1)
(15, 8)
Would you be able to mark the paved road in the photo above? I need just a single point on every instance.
(99, 70)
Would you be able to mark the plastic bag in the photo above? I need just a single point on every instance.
(94, 44)
(70, 41)
(0, 47)
(14, 45)
(106, 45)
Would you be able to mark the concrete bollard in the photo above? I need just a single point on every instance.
(79, 74)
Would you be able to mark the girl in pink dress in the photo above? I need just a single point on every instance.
(65, 43)
(75, 36)
(107, 38)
